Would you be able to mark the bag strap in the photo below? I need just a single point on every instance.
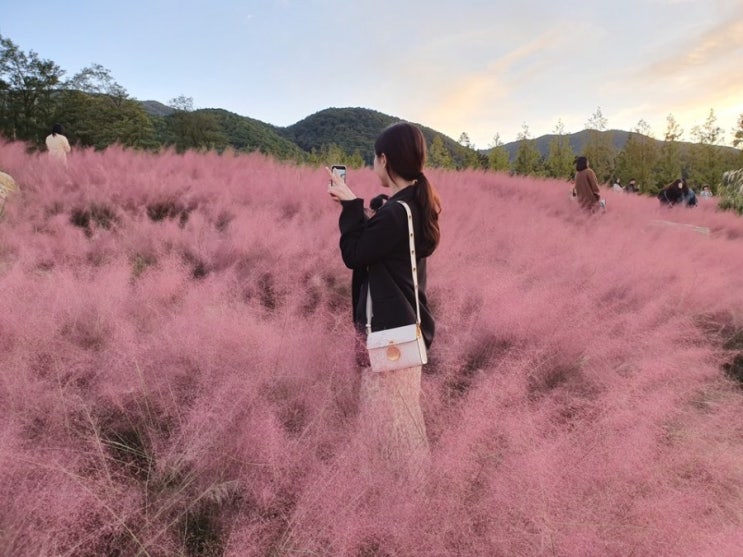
(414, 268)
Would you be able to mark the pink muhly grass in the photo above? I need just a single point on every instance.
(178, 374)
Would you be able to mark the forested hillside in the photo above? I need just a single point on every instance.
(96, 111)
(354, 130)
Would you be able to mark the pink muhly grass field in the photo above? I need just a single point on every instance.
(177, 374)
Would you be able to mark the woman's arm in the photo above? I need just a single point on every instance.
(364, 242)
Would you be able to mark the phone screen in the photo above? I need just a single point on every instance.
(340, 171)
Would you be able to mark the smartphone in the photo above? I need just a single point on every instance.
(340, 170)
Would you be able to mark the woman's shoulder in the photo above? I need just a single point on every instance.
(391, 211)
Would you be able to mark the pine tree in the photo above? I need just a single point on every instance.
(559, 163)
(738, 133)
(329, 155)
(669, 164)
(599, 148)
(469, 155)
(706, 158)
(639, 158)
(356, 160)
(438, 154)
(528, 160)
(498, 158)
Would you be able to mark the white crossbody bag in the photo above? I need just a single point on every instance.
(401, 347)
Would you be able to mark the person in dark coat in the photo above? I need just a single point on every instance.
(378, 245)
(377, 250)
(673, 193)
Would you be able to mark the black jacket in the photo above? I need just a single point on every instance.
(377, 250)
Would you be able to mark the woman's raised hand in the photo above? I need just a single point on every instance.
(338, 189)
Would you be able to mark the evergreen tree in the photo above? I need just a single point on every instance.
(669, 164)
(438, 154)
(528, 160)
(639, 158)
(706, 158)
(469, 155)
(738, 133)
(331, 154)
(599, 148)
(356, 160)
(559, 163)
(498, 159)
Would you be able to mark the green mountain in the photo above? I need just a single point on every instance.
(248, 134)
(579, 140)
(352, 129)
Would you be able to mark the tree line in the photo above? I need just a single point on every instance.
(652, 163)
(97, 112)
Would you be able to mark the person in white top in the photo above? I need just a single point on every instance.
(57, 144)
(7, 186)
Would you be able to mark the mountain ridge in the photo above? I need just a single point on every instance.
(354, 129)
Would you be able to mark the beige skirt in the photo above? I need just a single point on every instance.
(391, 422)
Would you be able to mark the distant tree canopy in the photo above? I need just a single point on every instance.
(652, 163)
(438, 155)
(498, 158)
(600, 147)
(28, 92)
(559, 163)
(528, 159)
(638, 159)
(96, 111)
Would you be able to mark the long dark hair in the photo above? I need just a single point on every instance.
(581, 163)
(57, 128)
(404, 147)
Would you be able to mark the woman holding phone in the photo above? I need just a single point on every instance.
(377, 250)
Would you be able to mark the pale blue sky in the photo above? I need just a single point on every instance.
(480, 66)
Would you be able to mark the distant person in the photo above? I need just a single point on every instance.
(586, 186)
(671, 194)
(706, 192)
(617, 185)
(689, 198)
(632, 186)
(678, 192)
(57, 144)
(7, 186)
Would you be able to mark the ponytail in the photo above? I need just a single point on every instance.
(430, 204)
(405, 147)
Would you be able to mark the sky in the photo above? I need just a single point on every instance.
(483, 67)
